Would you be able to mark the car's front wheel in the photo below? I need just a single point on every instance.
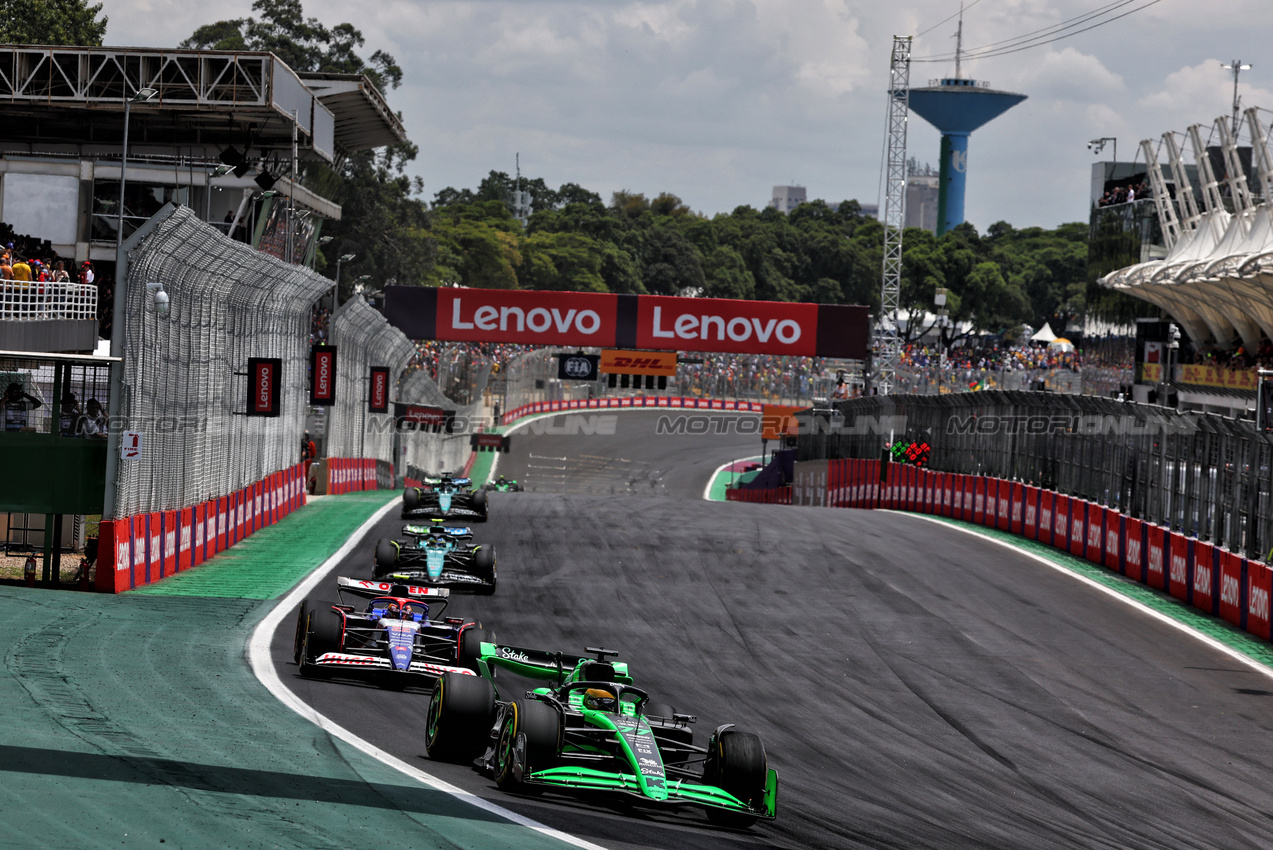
(531, 734)
(736, 763)
(324, 632)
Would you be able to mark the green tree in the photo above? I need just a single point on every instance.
(61, 22)
(383, 221)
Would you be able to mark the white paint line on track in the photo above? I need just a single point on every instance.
(262, 663)
(707, 491)
(1112, 592)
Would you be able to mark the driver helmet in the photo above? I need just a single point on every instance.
(392, 611)
(600, 700)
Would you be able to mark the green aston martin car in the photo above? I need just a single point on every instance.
(591, 729)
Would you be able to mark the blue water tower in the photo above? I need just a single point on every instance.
(956, 107)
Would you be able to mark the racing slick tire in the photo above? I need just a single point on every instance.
(410, 498)
(386, 557)
(484, 568)
(660, 717)
(478, 501)
(302, 623)
(324, 633)
(535, 727)
(461, 713)
(469, 646)
(737, 764)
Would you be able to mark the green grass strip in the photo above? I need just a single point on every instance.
(1164, 603)
(270, 562)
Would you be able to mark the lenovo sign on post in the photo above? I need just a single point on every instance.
(378, 390)
(322, 376)
(263, 379)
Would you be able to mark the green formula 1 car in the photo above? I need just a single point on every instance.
(593, 730)
(504, 485)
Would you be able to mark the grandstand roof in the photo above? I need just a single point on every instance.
(1217, 279)
(208, 100)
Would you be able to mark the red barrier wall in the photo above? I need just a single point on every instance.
(140, 549)
(1215, 581)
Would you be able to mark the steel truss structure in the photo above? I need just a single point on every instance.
(887, 344)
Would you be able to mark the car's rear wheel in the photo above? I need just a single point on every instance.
(469, 647)
(324, 633)
(534, 727)
(460, 717)
(411, 498)
(737, 764)
(484, 568)
(386, 557)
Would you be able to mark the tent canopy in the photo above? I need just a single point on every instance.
(1044, 334)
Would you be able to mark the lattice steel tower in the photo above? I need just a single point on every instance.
(887, 348)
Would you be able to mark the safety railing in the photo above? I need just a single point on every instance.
(22, 300)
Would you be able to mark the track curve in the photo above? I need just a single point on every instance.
(914, 685)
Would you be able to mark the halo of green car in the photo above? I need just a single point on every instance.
(592, 729)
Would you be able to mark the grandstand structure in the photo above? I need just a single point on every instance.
(1216, 278)
(223, 134)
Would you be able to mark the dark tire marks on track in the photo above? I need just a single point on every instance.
(914, 686)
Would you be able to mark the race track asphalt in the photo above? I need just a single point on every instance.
(914, 686)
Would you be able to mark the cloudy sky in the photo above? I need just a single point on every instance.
(717, 101)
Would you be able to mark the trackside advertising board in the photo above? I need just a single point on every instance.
(606, 320)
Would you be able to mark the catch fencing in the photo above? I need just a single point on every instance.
(433, 451)
(363, 340)
(185, 383)
(1203, 475)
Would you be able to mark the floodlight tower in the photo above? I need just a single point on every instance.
(957, 106)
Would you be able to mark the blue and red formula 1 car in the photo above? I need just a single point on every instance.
(396, 637)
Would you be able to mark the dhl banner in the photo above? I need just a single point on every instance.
(1211, 376)
(638, 363)
(778, 419)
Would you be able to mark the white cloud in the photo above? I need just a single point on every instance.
(719, 100)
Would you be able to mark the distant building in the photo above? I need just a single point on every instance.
(922, 187)
(787, 198)
(870, 210)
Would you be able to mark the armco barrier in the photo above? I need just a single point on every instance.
(141, 549)
(1211, 579)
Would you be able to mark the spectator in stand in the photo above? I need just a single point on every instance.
(86, 272)
(17, 404)
(21, 270)
(60, 275)
(70, 416)
(93, 423)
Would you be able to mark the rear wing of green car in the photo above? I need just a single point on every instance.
(539, 663)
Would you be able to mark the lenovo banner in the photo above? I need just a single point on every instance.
(378, 390)
(322, 375)
(418, 417)
(263, 379)
(606, 320)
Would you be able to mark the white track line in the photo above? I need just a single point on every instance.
(1236, 655)
(262, 664)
